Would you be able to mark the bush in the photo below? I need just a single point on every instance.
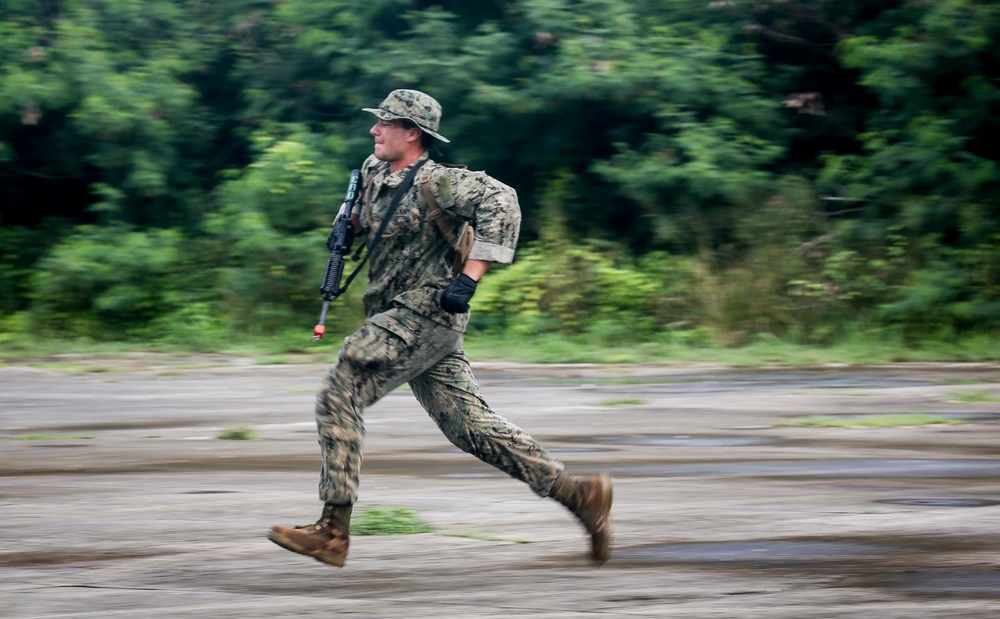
(105, 281)
(593, 287)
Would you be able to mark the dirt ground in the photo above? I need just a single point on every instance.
(117, 499)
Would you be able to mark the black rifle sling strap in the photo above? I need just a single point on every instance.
(396, 198)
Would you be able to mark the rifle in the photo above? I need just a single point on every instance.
(339, 243)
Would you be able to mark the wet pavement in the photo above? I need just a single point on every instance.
(117, 499)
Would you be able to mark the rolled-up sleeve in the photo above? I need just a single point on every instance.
(490, 206)
(497, 222)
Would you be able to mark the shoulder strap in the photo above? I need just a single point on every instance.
(460, 246)
(396, 198)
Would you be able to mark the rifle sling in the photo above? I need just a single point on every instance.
(396, 198)
(459, 247)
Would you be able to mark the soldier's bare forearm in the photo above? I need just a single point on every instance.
(476, 268)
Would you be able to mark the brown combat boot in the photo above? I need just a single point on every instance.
(589, 498)
(326, 540)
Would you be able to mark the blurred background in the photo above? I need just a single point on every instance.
(694, 175)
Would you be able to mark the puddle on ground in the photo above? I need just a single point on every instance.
(24, 559)
(554, 449)
(767, 551)
(683, 441)
(967, 583)
(818, 468)
(941, 502)
(130, 425)
(880, 561)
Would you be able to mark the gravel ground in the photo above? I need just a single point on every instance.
(117, 499)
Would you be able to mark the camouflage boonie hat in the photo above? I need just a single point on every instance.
(413, 105)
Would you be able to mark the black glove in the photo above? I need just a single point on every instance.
(455, 298)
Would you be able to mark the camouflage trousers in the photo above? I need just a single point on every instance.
(400, 346)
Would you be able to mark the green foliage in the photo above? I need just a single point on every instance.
(104, 278)
(194, 326)
(295, 180)
(951, 290)
(689, 172)
(589, 288)
(930, 158)
(110, 91)
(20, 248)
(271, 228)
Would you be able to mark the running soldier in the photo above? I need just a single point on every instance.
(417, 308)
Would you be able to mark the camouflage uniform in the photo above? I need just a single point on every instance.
(407, 337)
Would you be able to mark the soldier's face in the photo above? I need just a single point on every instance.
(392, 140)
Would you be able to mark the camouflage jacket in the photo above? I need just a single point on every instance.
(412, 262)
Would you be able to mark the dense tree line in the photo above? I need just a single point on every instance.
(707, 168)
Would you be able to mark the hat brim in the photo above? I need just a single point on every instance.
(387, 115)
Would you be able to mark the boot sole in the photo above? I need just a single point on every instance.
(330, 558)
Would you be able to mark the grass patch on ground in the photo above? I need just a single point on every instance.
(613, 403)
(70, 367)
(382, 520)
(378, 520)
(764, 350)
(273, 360)
(484, 537)
(871, 347)
(242, 433)
(872, 421)
(976, 396)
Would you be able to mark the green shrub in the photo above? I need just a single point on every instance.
(104, 281)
